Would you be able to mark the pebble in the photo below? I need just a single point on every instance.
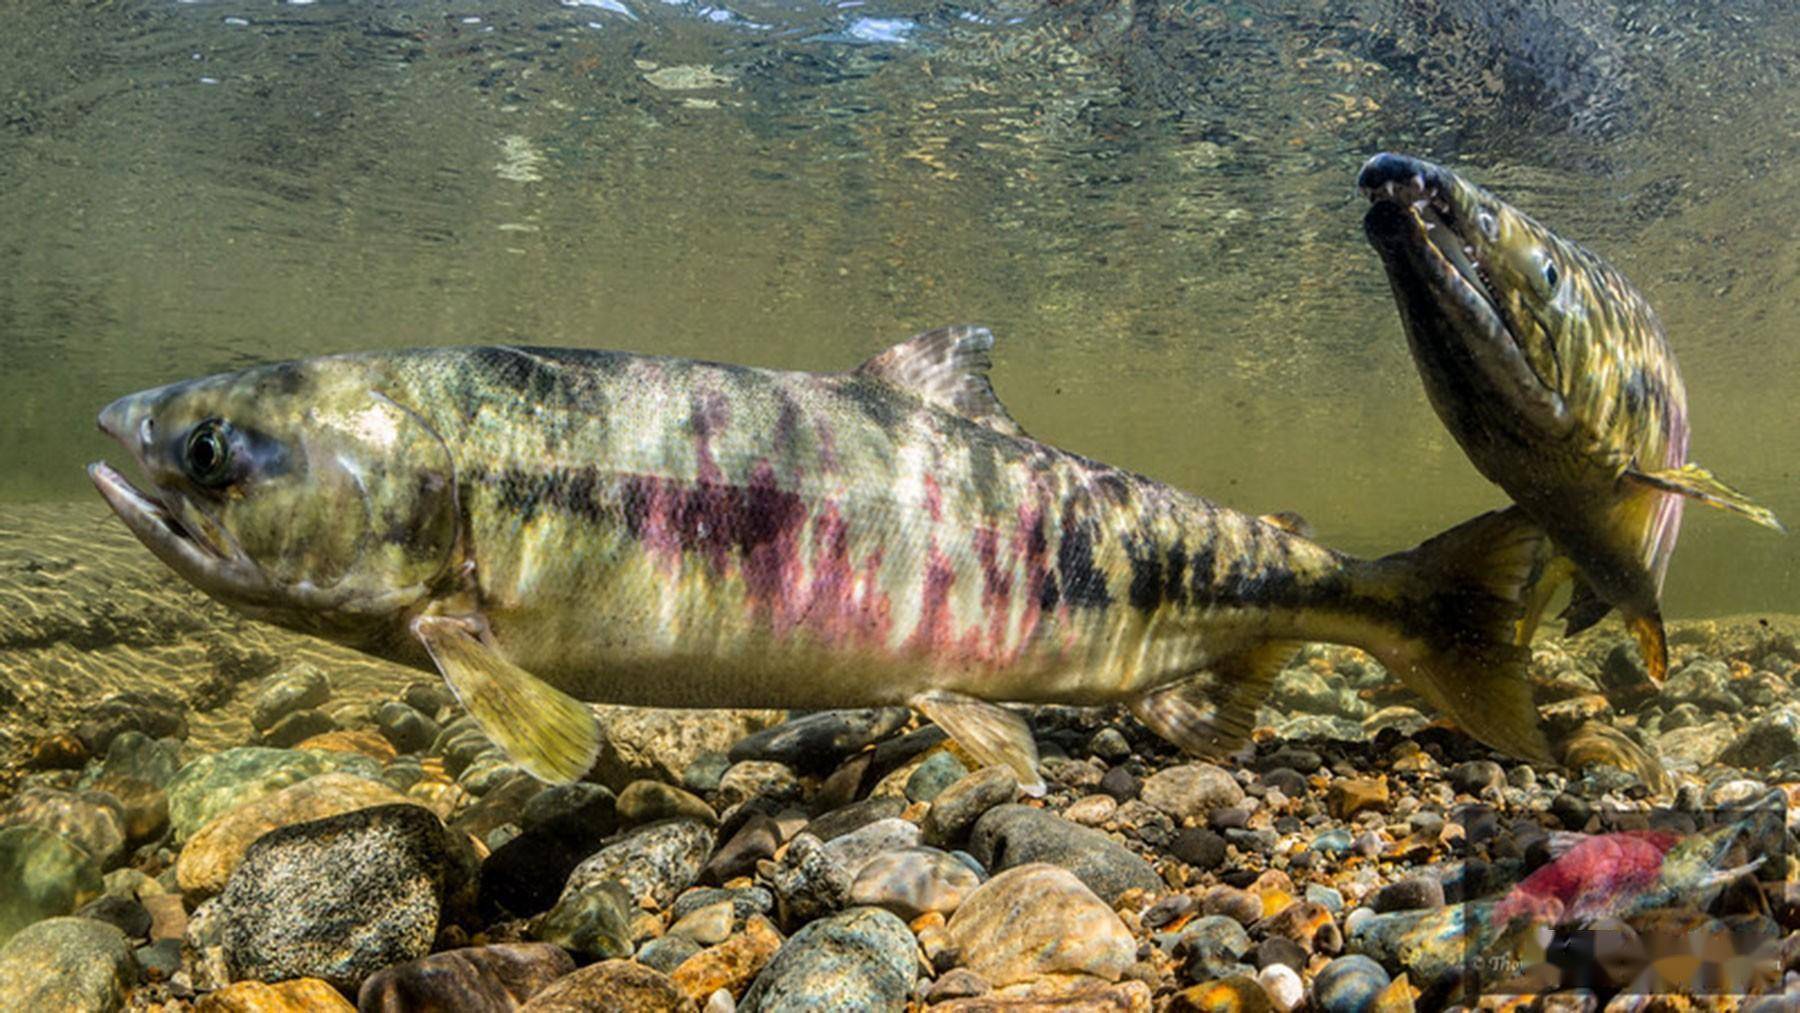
(940, 770)
(134, 754)
(707, 925)
(125, 914)
(45, 876)
(293, 689)
(1771, 738)
(656, 861)
(593, 921)
(1121, 784)
(1705, 683)
(1199, 847)
(1190, 791)
(1475, 776)
(1280, 950)
(956, 983)
(299, 995)
(759, 779)
(861, 959)
(1351, 795)
(1012, 835)
(647, 801)
(611, 986)
(405, 727)
(1239, 905)
(855, 816)
(1348, 984)
(816, 742)
(479, 979)
(296, 728)
(954, 811)
(745, 901)
(1408, 894)
(210, 855)
(1211, 947)
(82, 820)
(157, 715)
(215, 783)
(1286, 990)
(1237, 993)
(66, 964)
(1327, 897)
(1092, 810)
(666, 953)
(732, 964)
(1039, 919)
(1109, 744)
(753, 842)
(338, 898)
(913, 881)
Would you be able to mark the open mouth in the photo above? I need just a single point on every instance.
(1414, 214)
(153, 523)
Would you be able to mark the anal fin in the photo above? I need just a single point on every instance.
(1695, 482)
(992, 734)
(1212, 715)
(1585, 608)
(550, 734)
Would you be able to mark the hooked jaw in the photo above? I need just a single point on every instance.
(1435, 237)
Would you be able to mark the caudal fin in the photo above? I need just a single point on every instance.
(1467, 607)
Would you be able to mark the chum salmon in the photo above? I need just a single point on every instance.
(1553, 372)
(547, 526)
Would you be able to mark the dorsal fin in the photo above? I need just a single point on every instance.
(948, 368)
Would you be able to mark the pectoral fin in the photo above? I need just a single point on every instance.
(1585, 608)
(992, 734)
(1212, 715)
(544, 730)
(1696, 482)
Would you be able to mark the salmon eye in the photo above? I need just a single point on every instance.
(1489, 225)
(1551, 277)
(207, 456)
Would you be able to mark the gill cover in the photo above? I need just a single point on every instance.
(362, 513)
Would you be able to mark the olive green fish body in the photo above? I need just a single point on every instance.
(542, 524)
(1553, 373)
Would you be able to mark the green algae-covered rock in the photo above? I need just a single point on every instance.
(42, 875)
(213, 784)
(66, 964)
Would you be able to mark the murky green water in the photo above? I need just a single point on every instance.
(1152, 205)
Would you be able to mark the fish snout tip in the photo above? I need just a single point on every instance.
(121, 420)
(1395, 177)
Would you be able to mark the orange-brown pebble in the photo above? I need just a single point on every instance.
(352, 740)
(1351, 795)
(730, 965)
(1236, 994)
(1396, 998)
(1054, 993)
(61, 751)
(298, 996)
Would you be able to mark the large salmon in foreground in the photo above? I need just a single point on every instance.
(542, 525)
(1553, 373)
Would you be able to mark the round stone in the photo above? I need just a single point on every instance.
(1348, 984)
(1039, 919)
(1191, 790)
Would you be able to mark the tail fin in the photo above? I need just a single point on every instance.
(1467, 606)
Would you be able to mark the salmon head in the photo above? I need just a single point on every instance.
(297, 493)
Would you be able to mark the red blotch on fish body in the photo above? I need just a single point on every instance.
(1591, 878)
(996, 587)
(934, 500)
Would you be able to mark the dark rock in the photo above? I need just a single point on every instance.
(1570, 810)
(611, 986)
(1302, 761)
(816, 742)
(428, 698)
(154, 714)
(1473, 777)
(705, 772)
(526, 874)
(296, 727)
(298, 688)
(957, 807)
(124, 914)
(1013, 835)
(1705, 683)
(1408, 894)
(1121, 784)
(61, 751)
(580, 802)
(142, 807)
(645, 801)
(66, 964)
(1199, 847)
(405, 727)
(1228, 818)
(754, 841)
(1109, 744)
(502, 804)
(1771, 738)
(862, 959)
(478, 979)
(158, 960)
(339, 898)
(855, 816)
(1211, 947)
(1280, 950)
(593, 921)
